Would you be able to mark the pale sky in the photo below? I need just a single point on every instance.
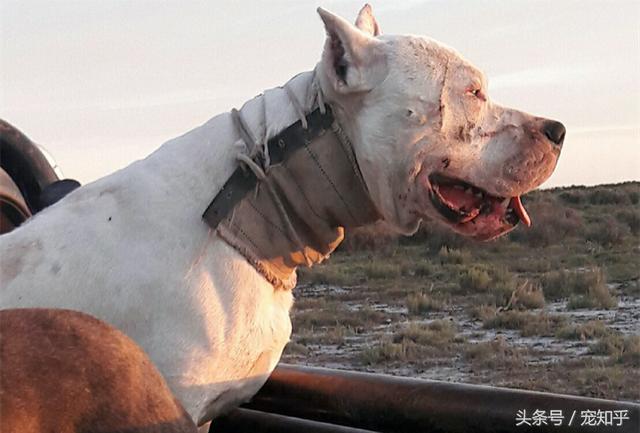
(101, 83)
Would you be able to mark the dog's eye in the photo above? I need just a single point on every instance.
(477, 93)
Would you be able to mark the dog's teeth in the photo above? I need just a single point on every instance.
(460, 187)
(469, 191)
(505, 203)
(479, 194)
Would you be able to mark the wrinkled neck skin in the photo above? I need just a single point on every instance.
(362, 115)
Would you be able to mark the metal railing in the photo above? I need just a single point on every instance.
(309, 399)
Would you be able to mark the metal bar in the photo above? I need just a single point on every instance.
(392, 404)
(252, 421)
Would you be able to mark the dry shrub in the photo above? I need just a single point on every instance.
(293, 348)
(621, 349)
(561, 284)
(326, 275)
(585, 331)
(493, 354)
(374, 237)
(336, 315)
(527, 323)
(412, 344)
(309, 303)
(475, 279)
(531, 264)
(591, 291)
(378, 269)
(631, 218)
(630, 353)
(526, 296)
(454, 256)
(596, 297)
(609, 232)
(434, 236)
(552, 223)
(438, 333)
(332, 335)
(564, 283)
(422, 269)
(418, 303)
(502, 285)
(483, 312)
(575, 196)
(605, 195)
(497, 281)
(388, 351)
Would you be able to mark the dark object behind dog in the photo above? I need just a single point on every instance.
(67, 372)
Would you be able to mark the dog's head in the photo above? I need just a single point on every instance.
(428, 139)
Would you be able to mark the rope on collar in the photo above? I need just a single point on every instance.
(258, 171)
(313, 187)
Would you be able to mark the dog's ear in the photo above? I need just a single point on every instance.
(352, 60)
(367, 22)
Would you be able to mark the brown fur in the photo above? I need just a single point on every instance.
(66, 372)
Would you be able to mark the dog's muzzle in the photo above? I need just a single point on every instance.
(471, 210)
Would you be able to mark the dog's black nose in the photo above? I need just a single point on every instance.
(554, 131)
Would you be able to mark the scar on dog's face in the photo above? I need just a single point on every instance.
(429, 140)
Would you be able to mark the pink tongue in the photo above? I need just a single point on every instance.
(459, 199)
(517, 206)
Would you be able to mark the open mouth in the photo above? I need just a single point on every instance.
(464, 204)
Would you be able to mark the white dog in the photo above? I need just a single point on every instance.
(132, 248)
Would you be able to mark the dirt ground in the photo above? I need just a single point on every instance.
(544, 363)
(548, 311)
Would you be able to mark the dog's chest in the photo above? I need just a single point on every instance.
(237, 334)
(210, 322)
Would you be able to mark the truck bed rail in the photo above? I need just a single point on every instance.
(310, 399)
